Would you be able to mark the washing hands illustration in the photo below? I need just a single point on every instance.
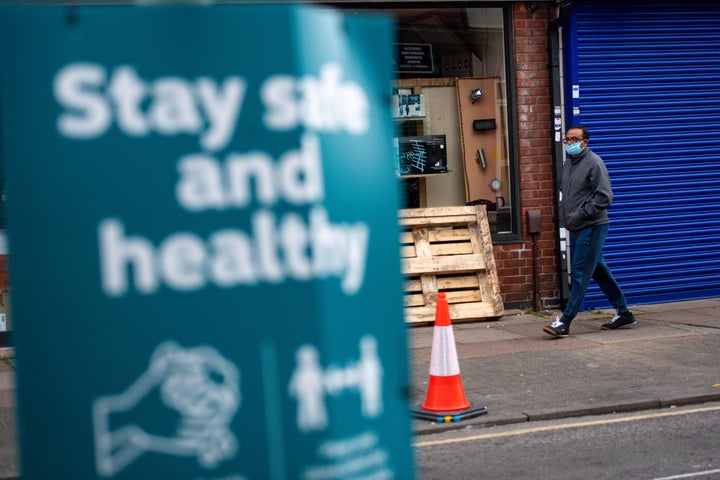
(199, 384)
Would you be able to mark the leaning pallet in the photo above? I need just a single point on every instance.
(448, 249)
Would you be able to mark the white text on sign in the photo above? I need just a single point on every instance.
(281, 245)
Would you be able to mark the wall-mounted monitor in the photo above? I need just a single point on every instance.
(422, 154)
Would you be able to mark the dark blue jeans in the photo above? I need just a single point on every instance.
(587, 263)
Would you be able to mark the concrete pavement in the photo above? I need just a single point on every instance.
(672, 357)
(8, 435)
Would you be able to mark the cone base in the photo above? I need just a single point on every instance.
(449, 417)
(445, 394)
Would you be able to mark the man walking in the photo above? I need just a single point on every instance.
(585, 195)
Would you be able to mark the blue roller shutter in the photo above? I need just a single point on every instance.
(649, 93)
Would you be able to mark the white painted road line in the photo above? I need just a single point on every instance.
(689, 475)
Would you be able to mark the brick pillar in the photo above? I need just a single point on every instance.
(537, 187)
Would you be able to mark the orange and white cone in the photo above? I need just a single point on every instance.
(445, 390)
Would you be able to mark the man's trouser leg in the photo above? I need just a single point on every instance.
(605, 279)
(586, 253)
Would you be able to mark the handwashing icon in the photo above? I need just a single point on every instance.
(199, 384)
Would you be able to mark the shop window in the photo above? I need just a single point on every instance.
(451, 87)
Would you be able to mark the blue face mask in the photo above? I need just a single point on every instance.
(573, 149)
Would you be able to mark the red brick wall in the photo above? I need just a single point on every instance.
(4, 280)
(535, 131)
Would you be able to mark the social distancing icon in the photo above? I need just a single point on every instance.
(311, 384)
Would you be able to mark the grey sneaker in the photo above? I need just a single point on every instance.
(620, 320)
(557, 329)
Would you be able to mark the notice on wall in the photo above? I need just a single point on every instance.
(415, 58)
(203, 243)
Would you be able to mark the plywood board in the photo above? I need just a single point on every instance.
(478, 175)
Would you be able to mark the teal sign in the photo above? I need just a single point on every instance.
(203, 243)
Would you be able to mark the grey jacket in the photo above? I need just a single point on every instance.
(586, 192)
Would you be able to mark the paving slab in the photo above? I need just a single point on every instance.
(483, 334)
(639, 333)
(8, 451)
(674, 306)
(687, 317)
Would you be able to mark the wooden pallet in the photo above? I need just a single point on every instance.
(449, 249)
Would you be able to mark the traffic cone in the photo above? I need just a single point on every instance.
(445, 390)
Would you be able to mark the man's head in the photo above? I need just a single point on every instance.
(576, 140)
